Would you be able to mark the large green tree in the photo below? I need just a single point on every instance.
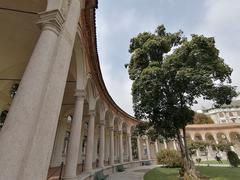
(169, 73)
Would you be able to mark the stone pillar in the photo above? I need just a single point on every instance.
(19, 128)
(90, 141)
(215, 138)
(130, 146)
(40, 151)
(111, 130)
(102, 144)
(107, 146)
(139, 149)
(174, 145)
(121, 146)
(148, 149)
(165, 144)
(156, 146)
(75, 135)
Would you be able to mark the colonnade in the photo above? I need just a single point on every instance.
(62, 74)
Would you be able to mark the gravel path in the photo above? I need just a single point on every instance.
(132, 174)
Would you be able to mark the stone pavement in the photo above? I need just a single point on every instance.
(132, 174)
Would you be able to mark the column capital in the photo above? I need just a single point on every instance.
(52, 20)
(120, 131)
(129, 135)
(111, 128)
(92, 113)
(102, 123)
(79, 93)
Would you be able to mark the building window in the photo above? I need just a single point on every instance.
(221, 115)
(230, 114)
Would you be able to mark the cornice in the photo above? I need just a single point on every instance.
(89, 33)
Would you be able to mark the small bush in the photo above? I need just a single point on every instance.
(169, 158)
(233, 158)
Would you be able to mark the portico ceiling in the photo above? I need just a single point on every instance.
(18, 34)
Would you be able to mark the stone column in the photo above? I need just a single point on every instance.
(75, 135)
(40, 150)
(102, 144)
(165, 144)
(130, 146)
(174, 145)
(107, 146)
(215, 138)
(148, 149)
(121, 146)
(111, 131)
(20, 125)
(139, 149)
(156, 146)
(90, 141)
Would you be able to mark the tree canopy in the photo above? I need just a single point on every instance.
(169, 72)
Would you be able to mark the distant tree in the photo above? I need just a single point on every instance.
(193, 146)
(233, 158)
(200, 118)
(169, 73)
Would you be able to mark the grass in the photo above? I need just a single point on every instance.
(214, 173)
(214, 162)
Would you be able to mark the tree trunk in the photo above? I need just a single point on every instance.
(188, 169)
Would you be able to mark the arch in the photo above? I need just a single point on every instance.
(235, 137)
(209, 138)
(198, 137)
(221, 137)
(222, 115)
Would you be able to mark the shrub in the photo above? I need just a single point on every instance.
(233, 158)
(169, 158)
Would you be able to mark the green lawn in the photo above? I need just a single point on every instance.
(214, 173)
(214, 162)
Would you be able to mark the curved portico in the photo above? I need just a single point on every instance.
(62, 112)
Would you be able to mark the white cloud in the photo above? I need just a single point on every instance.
(221, 22)
(117, 24)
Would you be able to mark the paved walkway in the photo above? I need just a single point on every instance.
(132, 174)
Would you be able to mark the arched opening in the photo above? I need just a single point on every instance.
(108, 122)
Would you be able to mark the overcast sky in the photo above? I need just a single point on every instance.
(120, 20)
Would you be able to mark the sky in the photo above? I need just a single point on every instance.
(118, 21)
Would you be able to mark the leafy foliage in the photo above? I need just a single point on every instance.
(166, 85)
(200, 118)
(169, 73)
(224, 146)
(169, 158)
(233, 158)
(193, 146)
